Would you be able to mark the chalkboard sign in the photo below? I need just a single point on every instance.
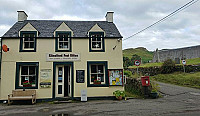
(80, 76)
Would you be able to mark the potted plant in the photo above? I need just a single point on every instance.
(27, 84)
(119, 94)
(97, 82)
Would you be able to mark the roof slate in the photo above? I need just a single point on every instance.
(46, 28)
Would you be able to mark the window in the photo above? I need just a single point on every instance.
(28, 41)
(97, 74)
(63, 41)
(96, 42)
(27, 74)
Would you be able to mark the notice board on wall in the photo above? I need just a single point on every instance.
(115, 77)
(80, 76)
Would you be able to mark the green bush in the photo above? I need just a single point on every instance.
(128, 73)
(168, 67)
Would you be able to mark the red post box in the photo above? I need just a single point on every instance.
(145, 81)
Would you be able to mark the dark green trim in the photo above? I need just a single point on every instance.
(18, 64)
(106, 74)
(54, 77)
(103, 44)
(21, 41)
(56, 41)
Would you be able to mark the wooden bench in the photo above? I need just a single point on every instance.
(22, 95)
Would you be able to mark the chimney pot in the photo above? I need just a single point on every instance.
(109, 16)
(22, 16)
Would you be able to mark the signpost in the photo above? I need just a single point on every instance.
(184, 63)
(137, 63)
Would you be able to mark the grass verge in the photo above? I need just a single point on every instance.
(179, 78)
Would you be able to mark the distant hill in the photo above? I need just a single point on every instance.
(140, 51)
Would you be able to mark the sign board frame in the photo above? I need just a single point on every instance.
(115, 77)
(80, 76)
(136, 62)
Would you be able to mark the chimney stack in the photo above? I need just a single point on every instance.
(22, 16)
(109, 16)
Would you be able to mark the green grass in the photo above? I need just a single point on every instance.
(179, 78)
(142, 52)
(193, 61)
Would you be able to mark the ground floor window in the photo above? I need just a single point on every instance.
(27, 75)
(97, 73)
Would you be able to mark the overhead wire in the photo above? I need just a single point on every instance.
(165, 18)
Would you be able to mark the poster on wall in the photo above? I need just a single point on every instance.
(115, 76)
(80, 76)
(45, 78)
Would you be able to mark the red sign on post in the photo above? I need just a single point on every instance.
(137, 62)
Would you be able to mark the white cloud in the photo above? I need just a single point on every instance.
(3, 29)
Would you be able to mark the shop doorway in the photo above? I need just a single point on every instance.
(62, 81)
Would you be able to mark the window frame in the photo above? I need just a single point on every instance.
(18, 74)
(106, 79)
(57, 42)
(22, 49)
(102, 42)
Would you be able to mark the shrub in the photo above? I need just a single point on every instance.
(168, 67)
(128, 73)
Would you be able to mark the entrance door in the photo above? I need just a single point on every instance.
(62, 81)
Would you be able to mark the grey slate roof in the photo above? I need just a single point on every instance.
(46, 28)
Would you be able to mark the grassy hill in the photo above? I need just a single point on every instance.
(140, 51)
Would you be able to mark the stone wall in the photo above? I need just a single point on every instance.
(180, 53)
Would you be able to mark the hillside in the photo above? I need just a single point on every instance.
(140, 51)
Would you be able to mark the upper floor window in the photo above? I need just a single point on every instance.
(96, 42)
(63, 42)
(28, 41)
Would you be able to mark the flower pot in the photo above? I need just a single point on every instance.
(27, 85)
(119, 98)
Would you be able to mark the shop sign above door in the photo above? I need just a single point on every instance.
(63, 57)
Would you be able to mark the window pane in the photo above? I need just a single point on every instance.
(101, 76)
(24, 70)
(100, 68)
(60, 37)
(93, 77)
(93, 69)
(26, 44)
(94, 45)
(31, 35)
(93, 38)
(66, 37)
(23, 80)
(25, 35)
(26, 39)
(31, 39)
(98, 45)
(31, 44)
(60, 44)
(65, 44)
(98, 37)
(32, 80)
(31, 70)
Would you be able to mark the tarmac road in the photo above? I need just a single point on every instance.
(177, 101)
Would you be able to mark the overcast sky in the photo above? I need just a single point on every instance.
(130, 16)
